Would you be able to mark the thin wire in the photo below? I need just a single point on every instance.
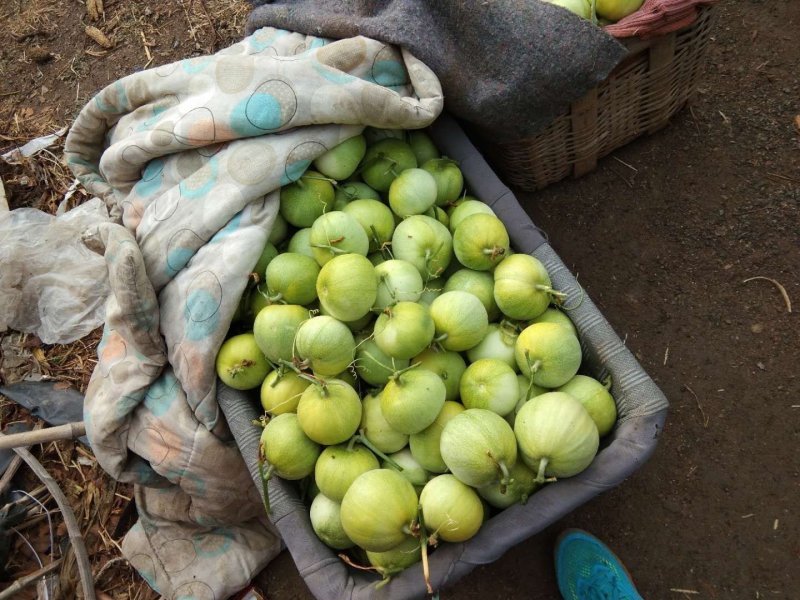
(73, 529)
(47, 514)
(38, 560)
(24, 539)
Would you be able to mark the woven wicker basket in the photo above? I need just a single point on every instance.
(642, 93)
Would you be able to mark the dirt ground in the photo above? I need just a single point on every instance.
(663, 248)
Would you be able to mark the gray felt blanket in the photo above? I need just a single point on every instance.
(507, 66)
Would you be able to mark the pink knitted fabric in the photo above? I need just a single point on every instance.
(657, 17)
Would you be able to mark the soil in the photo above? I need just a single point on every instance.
(666, 236)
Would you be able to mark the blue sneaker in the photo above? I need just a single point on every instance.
(587, 569)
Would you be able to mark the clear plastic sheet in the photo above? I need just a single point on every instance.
(51, 284)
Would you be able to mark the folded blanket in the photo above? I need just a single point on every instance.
(189, 158)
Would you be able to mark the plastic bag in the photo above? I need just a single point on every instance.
(51, 284)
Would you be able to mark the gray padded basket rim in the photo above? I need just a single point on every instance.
(641, 405)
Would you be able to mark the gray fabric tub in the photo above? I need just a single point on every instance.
(641, 405)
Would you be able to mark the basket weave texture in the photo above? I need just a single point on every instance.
(640, 95)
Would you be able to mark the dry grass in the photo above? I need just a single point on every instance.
(41, 181)
(54, 68)
(97, 501)
(71, 363)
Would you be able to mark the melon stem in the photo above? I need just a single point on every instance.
(561, 296)
(237, 368)
(349, 561)
(330, 247)
(261, 293)
(392, 164)
(440, 338)
(282, 370)
(509, 326)
(265, 477)
(299, 368)
(380, 364)
(313, 379)
(506, 479)
(540, 478)
(396, 375)
(428, 260)
(375, 238)
(532, 366)
(262, 420)
(423, 541)
(494, 252)
(328, 179)
(361, 438)
(530, 389)
(385, 251)
(509, 332)
(285, 364)
(348, 192)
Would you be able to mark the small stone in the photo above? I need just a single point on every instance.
(756, 327)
